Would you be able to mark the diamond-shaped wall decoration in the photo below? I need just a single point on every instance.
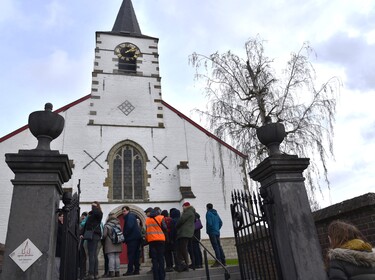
(126, 107)
(25, 254)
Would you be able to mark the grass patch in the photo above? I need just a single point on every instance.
(229, 262)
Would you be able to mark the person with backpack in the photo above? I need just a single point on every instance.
(113, 245)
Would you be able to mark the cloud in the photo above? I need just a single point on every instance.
(7, 10)
(56, 16)
(355, 54)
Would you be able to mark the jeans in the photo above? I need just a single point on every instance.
(215, 242)
(133, 255)
(195, 253)
(113, 261)
(92, 247)
(168, 255)
(57, 268)
(157, 249)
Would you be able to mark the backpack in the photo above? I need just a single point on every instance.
(117, 237)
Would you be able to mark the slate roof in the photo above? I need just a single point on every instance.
(126, 20)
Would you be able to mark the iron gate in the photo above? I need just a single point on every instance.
(70, 237)
(256, 256)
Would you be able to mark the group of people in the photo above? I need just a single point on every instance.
(173, 238)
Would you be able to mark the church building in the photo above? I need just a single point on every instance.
(128, 146)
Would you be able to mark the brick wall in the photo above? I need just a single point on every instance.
(359, 211)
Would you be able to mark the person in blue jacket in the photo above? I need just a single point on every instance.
(213, 226)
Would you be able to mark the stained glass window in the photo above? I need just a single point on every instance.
(128, 174)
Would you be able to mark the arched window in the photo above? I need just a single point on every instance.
(127, 163)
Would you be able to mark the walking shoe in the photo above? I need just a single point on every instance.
(128, 273)
(182, 268)
(216, 264)
(136, 272)
(117, 273)
(169, 269)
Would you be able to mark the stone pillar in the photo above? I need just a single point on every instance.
(39, 176)
(289, 215)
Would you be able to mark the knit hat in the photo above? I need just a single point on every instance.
(186, 204)
(149, 209)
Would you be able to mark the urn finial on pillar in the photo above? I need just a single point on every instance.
(271, 135)
(45, 126)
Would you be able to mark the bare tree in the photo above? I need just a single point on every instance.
(244, 94)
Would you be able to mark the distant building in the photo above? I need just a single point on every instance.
(127, 145)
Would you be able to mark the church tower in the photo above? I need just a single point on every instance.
(126, 87)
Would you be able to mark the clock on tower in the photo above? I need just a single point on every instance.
(127, 54)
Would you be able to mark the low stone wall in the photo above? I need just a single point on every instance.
(228, 245)
(359, 211)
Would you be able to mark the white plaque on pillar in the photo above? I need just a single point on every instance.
(26, 254)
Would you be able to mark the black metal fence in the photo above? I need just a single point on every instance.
(70, 237)
(256, 255)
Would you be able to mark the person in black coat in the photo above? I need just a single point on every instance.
(93, 224)
(350, 256)
(194, 246)
(133, 236)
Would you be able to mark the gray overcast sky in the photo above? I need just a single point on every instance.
(47, 53)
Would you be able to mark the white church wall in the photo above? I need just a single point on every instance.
(179, 141)
(119, 89)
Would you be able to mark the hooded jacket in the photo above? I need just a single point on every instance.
(213, 222)
(351, 264)
(175, 214)
(185, 224)
(109, 247)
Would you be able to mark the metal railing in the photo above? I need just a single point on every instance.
(70, 237)
(205, 251)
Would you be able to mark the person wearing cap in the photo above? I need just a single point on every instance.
(185, 231)
(133, 237)
(155, 228)
(213, 226)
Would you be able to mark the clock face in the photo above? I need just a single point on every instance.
(127, 52)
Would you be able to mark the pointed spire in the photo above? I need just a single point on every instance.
(126, 20)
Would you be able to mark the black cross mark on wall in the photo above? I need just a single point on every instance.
(160, 162)
(93, 160)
